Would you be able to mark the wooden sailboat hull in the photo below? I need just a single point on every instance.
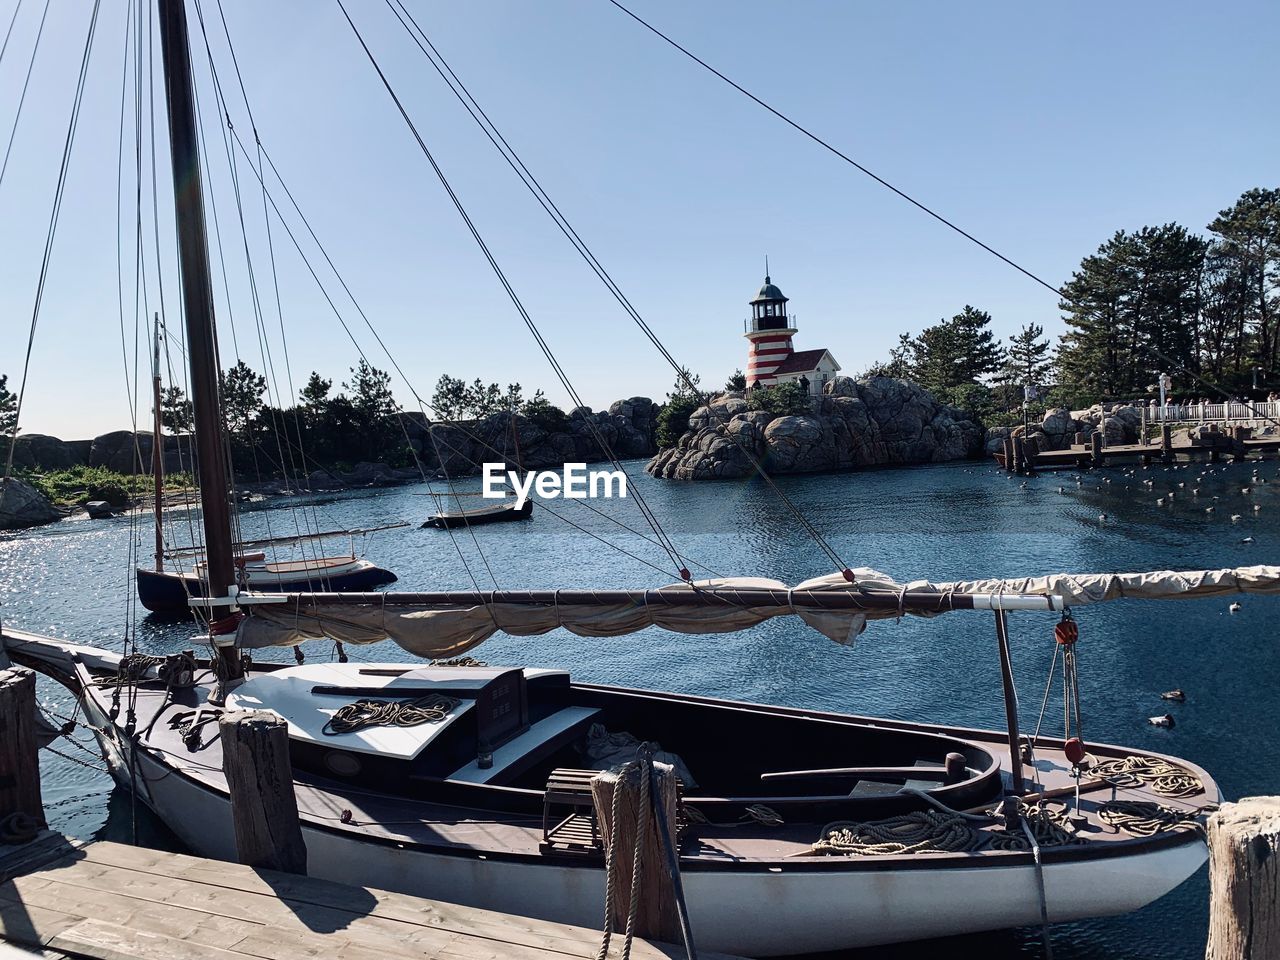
(752, 911)
(169, 592)
(757, 892)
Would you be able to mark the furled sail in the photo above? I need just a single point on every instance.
(446, 624)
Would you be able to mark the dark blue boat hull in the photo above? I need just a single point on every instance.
(168, 592)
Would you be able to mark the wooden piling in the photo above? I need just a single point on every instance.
(19, 754)
(1081, 438)
(656, 916)
(1244, 882)
(1095, 447)
(1166, 440)
(264, 809)
(1019, 455)
(1009, 465)
(1031, 450)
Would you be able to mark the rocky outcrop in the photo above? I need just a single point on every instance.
(22, 505)
(1057, 429)
(866, 423)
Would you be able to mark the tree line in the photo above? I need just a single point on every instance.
(1154, 300)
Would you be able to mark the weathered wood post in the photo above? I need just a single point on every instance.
(19, 754)
(1019, 455)
(1166, 440)
(1008, 454)
(1030, 450)
(1095, 447)
(1244, 880)
(264, 809)
(1081, 438)
(656, 916)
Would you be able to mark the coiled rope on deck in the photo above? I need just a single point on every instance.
(1161, 776)
(944, 831)
(1145, 818)
(921, 831)
(350, 717)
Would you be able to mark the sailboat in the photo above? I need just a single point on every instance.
(803, 830)
(170, 591)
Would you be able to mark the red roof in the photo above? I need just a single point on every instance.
(802, 361)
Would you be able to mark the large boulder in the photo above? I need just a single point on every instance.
(36, 451)
(871, 422)
(22, 505)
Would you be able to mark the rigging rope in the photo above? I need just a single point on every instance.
(59, 193)
(1259, 412)
(544, 347)
(518, 166)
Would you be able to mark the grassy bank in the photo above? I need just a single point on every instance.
(79, 485)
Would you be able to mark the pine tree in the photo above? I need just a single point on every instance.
(315, 395)
(1247, 247)
(176, 413)
(241, 394)
(8, 410)
(956, 352)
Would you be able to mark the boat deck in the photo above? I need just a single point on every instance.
(109, 901)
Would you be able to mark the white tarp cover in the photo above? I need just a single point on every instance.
(436, 631)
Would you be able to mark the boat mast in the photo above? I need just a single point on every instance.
(157, 445)
(202, 352)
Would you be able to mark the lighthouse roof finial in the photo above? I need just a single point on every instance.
(766, 268)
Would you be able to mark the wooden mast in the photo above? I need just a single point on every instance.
(197, 301)
(157, 446)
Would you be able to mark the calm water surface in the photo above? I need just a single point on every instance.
(946, 522)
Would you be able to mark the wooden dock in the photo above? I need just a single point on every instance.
(109, 901)
(1023, 456)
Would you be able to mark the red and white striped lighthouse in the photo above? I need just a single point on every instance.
(770, 330)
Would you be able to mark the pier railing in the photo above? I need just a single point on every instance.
(1211, 412)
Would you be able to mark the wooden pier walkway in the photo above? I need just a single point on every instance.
(109, 901)
(1024, 456)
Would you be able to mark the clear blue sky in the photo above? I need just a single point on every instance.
(1042, 128)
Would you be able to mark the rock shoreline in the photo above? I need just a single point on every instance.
(879, 421)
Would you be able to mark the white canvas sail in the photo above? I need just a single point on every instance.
(435, 630)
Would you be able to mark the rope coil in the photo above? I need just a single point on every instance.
(1167, 779)
(433, 708)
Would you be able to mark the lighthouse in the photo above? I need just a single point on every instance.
(772, 358)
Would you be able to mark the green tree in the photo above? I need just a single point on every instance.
(737, 382)
(1133, 309)
(1247, 245)
(786, 399)
(544, 414)
(314, 397)
(176, 414)
(8, 410)
(683, 398)
(956, 352)
(450, 397)
(1027, 363)
(373, 408)
(241, 394)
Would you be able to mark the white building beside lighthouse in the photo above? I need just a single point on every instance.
(772, 358)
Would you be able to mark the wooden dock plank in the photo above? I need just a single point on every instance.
(545, 935)
(114, 902)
